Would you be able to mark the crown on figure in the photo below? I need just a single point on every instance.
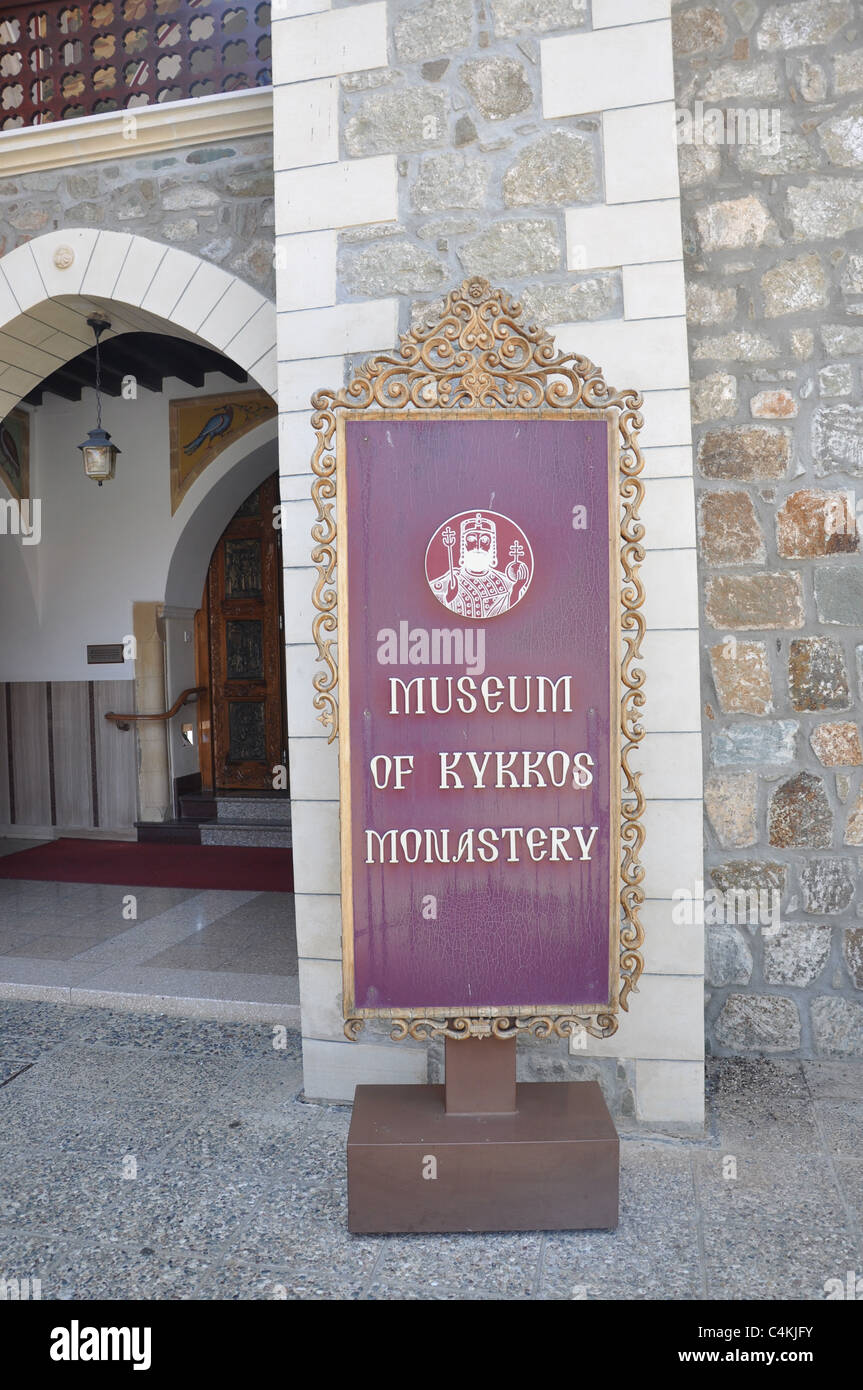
(476, 526)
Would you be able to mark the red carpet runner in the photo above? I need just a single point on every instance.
(145, 865)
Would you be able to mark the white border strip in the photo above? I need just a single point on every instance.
(114, 135)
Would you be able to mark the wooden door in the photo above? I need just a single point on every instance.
(246, 647)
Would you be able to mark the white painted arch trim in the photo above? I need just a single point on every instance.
(209, 505)
(151, 286)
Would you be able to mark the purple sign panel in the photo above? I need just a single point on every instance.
(479, 663)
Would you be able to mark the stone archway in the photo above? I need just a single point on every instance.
(48, 287)
(50, 284)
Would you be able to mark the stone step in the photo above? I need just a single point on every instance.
(197, 806)
(168, 832)
(262, 810)
(259, 834)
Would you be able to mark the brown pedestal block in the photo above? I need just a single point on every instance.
(417, 1162)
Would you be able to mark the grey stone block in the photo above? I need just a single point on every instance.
(837, 1026)
(827, 885)
(796, 955)
(758, 1023)
(514, 248)
(728, 959)
(772, 742)
(839, 594)
(837, 433)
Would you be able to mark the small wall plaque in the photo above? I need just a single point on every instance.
(105, 654)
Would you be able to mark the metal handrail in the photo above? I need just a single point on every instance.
(124, 721)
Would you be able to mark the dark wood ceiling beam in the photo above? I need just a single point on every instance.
(148, 357)
(144, 376)
(186, 364)
(139, 361)
(230, 369)
(114, 372)
(203, 360)
(187, 374)
(62, 386)
(84, 374)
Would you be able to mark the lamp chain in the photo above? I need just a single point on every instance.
(98, 383)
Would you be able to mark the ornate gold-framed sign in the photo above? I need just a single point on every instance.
(203, 426)
(485, 599)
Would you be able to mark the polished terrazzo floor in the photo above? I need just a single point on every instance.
(216, 954)
(166, 1158)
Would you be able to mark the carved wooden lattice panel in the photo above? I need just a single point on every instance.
(62, 60)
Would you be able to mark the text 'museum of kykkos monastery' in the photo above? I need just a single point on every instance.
(429, 463)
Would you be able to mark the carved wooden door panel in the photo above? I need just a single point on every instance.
(245, 582)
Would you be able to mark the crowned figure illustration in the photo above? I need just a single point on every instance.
(476, 587)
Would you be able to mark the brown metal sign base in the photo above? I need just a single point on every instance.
(418, 1162)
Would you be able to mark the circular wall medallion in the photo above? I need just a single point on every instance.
(63, 257)
(479, 564)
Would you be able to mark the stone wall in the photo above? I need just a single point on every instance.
(773, 234)
(215, 200)
(530, 141)
(484, 181)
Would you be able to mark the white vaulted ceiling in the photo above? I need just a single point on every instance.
(36, 343)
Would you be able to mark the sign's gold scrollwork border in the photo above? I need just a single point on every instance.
(480, 355)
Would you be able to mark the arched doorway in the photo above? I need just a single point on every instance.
(239, 795)
(240, 652)
(153, 295)
(104, 555)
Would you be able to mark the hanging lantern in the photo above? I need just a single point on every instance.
(100, 455)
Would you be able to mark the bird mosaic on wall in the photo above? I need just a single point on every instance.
(15, 453)
(202, 426)
(9, 452)
(219, 423)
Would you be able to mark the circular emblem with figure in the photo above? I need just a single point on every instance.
(479, 564)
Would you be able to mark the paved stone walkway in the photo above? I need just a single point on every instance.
(205, 953)
(239, 1186)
